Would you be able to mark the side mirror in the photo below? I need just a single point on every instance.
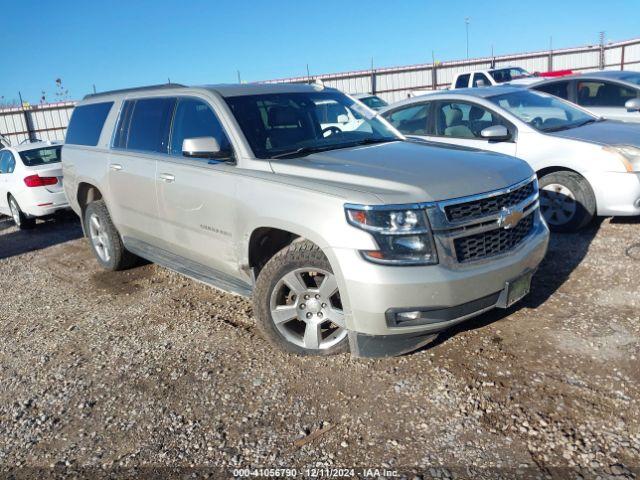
(496, 133)
(201, 147)
(633, 105)
(481, 83)
(342, 118)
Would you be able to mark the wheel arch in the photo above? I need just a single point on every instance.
(86, 194)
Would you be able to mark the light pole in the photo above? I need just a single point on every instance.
(466, 22)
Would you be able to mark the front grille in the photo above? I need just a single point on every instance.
(491, 243)
(488, 206)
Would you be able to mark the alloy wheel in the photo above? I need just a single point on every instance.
(306, 309)
(99, 238)
(15, 211)
(558, 204)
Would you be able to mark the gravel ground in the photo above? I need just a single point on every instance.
(126, 373)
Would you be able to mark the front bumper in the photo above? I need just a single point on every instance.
(617, 193)
(451, 293)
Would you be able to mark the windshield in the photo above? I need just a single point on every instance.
(281, 124)
(374, 102)
(632, 78)
(543, 112)
(507, 74)
(41, 156)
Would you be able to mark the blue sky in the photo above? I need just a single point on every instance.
(117, 44)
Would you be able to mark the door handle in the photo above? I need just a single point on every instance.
(116, 167)
(167, 177)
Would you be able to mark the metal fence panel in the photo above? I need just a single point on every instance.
(49, 121)
(43, 122)
(393, 84)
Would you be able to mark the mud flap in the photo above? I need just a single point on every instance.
(376, 346)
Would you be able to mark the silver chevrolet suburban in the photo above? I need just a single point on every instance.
(347, 236)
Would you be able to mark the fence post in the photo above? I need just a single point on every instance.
(373, 82)
(434, 76)
(622, 58)
(550, 61)
(28, 121)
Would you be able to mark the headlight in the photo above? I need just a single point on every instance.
(628, 155)
(403, 235)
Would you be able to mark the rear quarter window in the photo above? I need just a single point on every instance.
(86, 124)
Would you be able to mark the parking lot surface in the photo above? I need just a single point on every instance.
(146, 368)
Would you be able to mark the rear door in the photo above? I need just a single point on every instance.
(141, 136)
(196, 196)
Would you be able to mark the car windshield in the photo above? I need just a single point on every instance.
(543, 112)
(632, 78)
(507, 74)
(374, 102)
(41, 156)
(295, 124)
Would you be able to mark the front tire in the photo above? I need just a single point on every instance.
(298, 303)
(567, 201)
(22, 221)
(105, 240)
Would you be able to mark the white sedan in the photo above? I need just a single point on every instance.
(586, 165)
(31, 182)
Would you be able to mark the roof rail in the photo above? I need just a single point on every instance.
(135, 89)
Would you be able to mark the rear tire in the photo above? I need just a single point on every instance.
(567, 201)
(297, 301)
(22, 221)
(105, 240)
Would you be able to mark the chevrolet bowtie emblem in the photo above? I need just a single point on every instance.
(509, 218)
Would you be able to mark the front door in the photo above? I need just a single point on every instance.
(607, 99)
(197, 196)
(461, 123)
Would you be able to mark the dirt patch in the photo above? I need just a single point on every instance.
(107, 370)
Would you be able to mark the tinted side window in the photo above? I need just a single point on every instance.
(463, 81)
(11, 164)
(559, 89)
(194, 118)
(411, 120)
(150, 124)
(122, 129)
(86, 123)
(4, 162)
(478, 78)
(603, 94)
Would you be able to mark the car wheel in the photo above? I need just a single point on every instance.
(19, 217)
(105, 240)
(567, 201)
(298, 303)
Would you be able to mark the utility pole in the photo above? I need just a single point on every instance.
(94, 88)
(308, 74)
(601, 50)
(239, 77)
(467, 20)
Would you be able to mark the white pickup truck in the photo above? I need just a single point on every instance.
(487, 78)
(493, 76)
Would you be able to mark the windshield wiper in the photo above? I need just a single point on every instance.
(301, 152)
(304, 151)
(571, 125)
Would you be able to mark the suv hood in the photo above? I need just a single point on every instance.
(605, 132)
(405, 172)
